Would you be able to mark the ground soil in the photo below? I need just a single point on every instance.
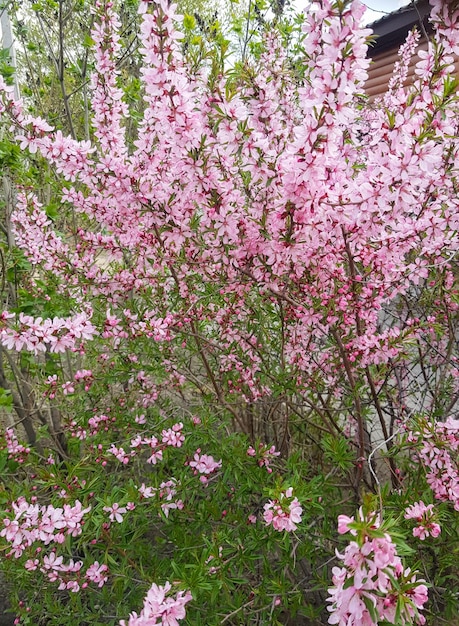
(6, 619)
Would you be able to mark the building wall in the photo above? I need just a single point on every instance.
(381, 68)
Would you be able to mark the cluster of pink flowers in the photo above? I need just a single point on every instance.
(264, 455)
(171, 437)
(38, 335)
(16, 450)
(160, 608)
(157, 328)
(373, 585)
(51, 381)
(39, 241)
(122, 456)
(204, 464)
(86, 377)
(69, 576)
(155, 449)
(283, 513)
(47, 524)
(107, 98)
(424, 516)
(438, 452)
(401, 67)
(98, 422)
(34, 523)
(114, 330)
(166, 492)
(148, 388)
(150, 325)
(95, 425)
(68, 388)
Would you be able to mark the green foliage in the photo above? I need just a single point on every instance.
(337, 452)
(6, 69)
(6, 400)
(10, 155)
(229, 564)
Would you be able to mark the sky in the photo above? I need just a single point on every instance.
(376, 9)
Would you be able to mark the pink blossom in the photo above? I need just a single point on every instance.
(284, 513)
(46, 524)
(264, 455)
(116, 512)
(68, 388)
(204, 463)
(97, 573)
(173, 436)
(159, 605)
(343, 521)
(120, 454)
(370, 567)
(146, 492)
(424, 516)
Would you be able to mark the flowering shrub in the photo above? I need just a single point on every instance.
(268, 259)
(423, 514)
(373, 584)
(438, 452)
(157, 605)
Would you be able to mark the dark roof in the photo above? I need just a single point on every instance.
(391, 30)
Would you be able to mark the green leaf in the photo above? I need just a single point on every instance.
(6, 399)
(371, 608)
(51, 210)
(88, 42)
(3, 460)
(189, 22)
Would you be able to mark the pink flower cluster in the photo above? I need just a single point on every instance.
(47, 524)
(264, 455)
(424, 516)
(107, 98)
(283, 513)
(171, 437)
(438, 452)
(204, 464)
(38, 239)
(122, 456)
(167, 492)
(157, 328)
(95, 425)
(159, 608)
(373, 585)
(38, 335)
(16, 450)
(69, 576)
(86, 377)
